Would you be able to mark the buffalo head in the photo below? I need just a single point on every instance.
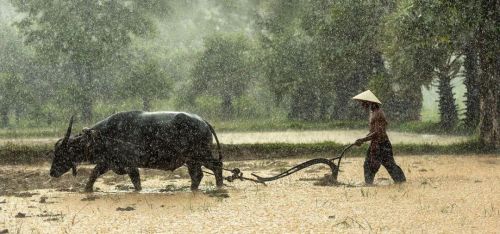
(66, 154)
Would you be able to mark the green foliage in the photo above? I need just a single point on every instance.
(23, 154)
(208, 106)
(82, 32)
(15, 82)
(26, 154)
(85, 35)
(420, 48)
(320, 54)
(223, 70)
(283, 63)
(349, 54)
(289, 62)
(145, 80)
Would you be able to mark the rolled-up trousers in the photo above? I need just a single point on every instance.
(382, 156)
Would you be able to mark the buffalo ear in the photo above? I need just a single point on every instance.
(73, 168)
(90, 132)
(94, 133)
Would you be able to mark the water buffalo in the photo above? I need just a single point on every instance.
(126, 141)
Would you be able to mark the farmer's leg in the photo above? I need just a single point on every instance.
(387, 159)
(370, 168)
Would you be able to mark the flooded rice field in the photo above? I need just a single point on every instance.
(339, 136)
(443, 194)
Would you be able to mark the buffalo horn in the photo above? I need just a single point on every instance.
(68, 133)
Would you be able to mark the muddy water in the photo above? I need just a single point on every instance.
(339, 136)
(443, 194)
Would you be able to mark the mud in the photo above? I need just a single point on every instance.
(443, 194)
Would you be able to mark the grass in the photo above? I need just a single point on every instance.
(31, 132)
(429, 127)
(254, 125)
(26, 154)
(279, 125)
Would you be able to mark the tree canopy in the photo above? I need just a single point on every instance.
(297, 60)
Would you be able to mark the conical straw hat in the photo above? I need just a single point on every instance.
(367, 96)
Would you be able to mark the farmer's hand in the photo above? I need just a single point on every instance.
(358, 142)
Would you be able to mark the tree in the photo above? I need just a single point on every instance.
(289, 58)
(223, 69)
(349, 53)
(320, 54)
(297, 44)
(14, 89)
(471, 63)
(447, 107)
(145, 80)
(293, 74)
(84, 34)
(488, 13)
(421, 46)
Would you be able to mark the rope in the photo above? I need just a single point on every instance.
(237, 175)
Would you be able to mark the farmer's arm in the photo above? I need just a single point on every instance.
(368, 137)
(376, 128)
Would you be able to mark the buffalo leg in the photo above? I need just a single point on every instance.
(98, 170)
(216, 167)
(196, 174)
(133, 173)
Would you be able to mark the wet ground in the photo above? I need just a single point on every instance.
(443, 194)
(339, 136)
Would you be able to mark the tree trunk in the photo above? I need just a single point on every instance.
(304, 104)
(324, 104)
(227, 107)
(416, 103)
(489, 76)
(337, 108)
(86, 97)
(489, 131)
(87, 109)
(5, 117)
(343, 103)
(472, 87)
(18, 114)
(49, 119)
(146, 104)
(447, 107)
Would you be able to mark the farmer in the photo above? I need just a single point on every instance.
(380, 151)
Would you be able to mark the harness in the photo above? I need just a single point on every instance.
(236, 175)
